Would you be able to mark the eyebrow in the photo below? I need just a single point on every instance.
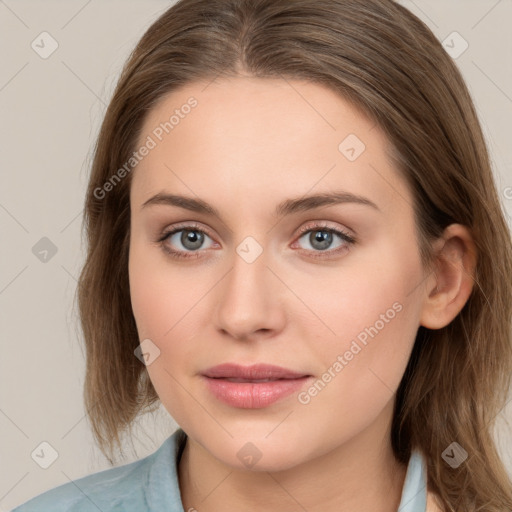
(287, 207)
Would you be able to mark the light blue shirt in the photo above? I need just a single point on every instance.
(151, 485)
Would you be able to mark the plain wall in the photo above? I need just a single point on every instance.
(50, 112)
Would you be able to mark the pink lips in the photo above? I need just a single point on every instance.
(242, 386)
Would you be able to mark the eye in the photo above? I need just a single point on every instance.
(187, 239)
(320, 239)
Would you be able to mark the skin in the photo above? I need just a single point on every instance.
(248, 145)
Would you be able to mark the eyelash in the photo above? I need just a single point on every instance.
(348, 239)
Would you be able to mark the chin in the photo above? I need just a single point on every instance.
(259, 456)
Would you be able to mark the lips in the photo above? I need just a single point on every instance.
(256, 373)
(252, 387)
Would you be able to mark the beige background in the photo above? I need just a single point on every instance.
(50, 111)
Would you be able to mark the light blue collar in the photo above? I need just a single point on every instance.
(414, 492)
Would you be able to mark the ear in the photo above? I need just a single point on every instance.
(450, 284)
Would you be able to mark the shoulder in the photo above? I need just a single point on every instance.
(130, 487)
(104, 490)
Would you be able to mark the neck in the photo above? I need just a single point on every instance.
(361, 474)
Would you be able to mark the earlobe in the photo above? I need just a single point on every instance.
(450, 284)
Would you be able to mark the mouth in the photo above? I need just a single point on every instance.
(254, 381)
(252, 387)
(254, 373)
(251, 393)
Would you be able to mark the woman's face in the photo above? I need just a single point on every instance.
(263, 280)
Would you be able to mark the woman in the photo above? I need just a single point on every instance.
(296, 246)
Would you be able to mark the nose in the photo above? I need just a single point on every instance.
(250, 300)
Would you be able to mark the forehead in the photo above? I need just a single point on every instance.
(262, 139)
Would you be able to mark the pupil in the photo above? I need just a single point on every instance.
(192, 239)
(322, 238)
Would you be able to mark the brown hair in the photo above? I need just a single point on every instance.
(388, 64)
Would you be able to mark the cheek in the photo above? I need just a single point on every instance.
(162, 302)
(369, 317)
(169, 306)
(160, 294)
